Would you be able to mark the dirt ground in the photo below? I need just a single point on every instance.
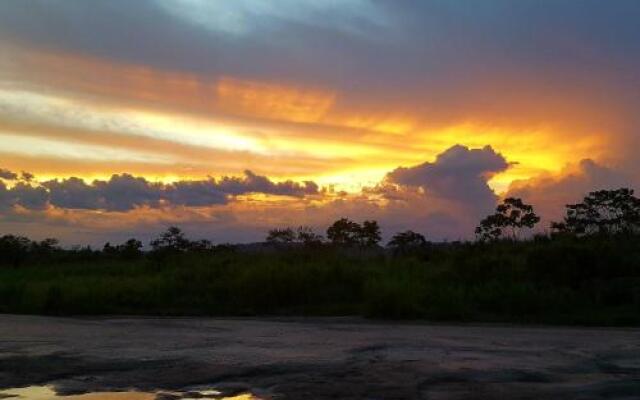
(331, 358)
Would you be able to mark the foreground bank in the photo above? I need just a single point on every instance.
(319, 358)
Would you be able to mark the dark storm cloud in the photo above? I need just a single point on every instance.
(417, 44)
(459, 174)
(73, 193)
(125, 192)
(6, 200)
(519, 63)
(33, 198)
(196, 193)
(262, 184)
(24, 195)
(146, 32)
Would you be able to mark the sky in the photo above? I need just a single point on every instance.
(227, 118)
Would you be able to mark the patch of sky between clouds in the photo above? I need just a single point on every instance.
(13, 143)
(62, 112)
(242, 17)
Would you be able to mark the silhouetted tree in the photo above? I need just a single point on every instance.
(45, 248)
(406, 242)
(369, 234)
(82, 253)
(603, 212)
(511, 216)
(109, 250)
(201, 245)
(307, 237)
(14, 249)
(281, 236)
(128, 250)
(131, 249)
(303, 235)
(48, 243)
(344, 232)
(173, 239)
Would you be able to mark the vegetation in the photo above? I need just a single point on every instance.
(345, 232)
(511, 216)
(303, 235)
(603, 212)
(408, 242)
(588, 272)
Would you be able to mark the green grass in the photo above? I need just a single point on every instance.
(562, 281)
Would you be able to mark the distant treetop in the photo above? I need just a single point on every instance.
(603, 212)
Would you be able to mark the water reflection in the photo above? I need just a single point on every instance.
(48, 393)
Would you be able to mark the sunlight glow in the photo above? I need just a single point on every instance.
(70, 113)
(16, 144)
(533, 152)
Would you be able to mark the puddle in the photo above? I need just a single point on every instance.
(48, 393)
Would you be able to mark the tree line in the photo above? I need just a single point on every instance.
(602, 212)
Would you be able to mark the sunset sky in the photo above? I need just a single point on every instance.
(119, 118)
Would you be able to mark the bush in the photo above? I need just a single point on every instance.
(591, 280)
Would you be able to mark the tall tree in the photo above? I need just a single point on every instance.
(369, 234)
(510, 218)
(344, 232)
(406, 242)
(14, 249)
(173, 239)
(603, 212)
(281, 236)
(302, 235)
(307, 237)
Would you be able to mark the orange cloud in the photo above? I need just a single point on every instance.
(272, 101)
(223, 124)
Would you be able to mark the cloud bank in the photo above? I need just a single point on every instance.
(125, 192)
(459, 174)
(443, 199)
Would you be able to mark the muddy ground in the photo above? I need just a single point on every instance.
(320, 358)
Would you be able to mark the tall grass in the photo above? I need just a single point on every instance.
(563, 281)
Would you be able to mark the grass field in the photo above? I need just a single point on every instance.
(590, 281)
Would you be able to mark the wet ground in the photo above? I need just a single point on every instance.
(149, 358)
(49, 393)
